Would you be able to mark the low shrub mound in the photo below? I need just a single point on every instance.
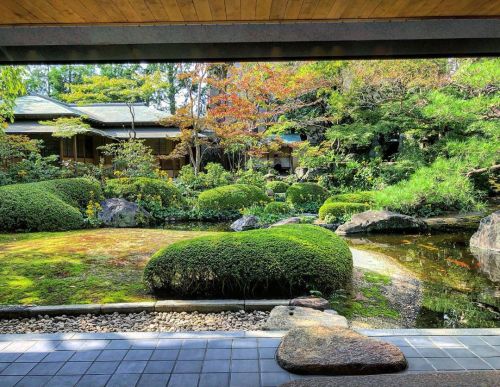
(281, 261)
(278, 208)
(306, 196)
(353, 197)
(77, 192)
(230, 199)
(143, 189)
(41, 207)
(278, 187)
(334, 212)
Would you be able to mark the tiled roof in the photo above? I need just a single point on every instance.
(34, 105)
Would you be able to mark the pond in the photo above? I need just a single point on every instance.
(459, 290)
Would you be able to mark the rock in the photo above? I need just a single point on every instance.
(380, 221)
(289, 317)
(247, 222)
(337, 351)
(487, 237)
(310, 302)
(282, 222)
(122, 213)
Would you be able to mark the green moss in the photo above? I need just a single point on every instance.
(353, 197)
(306, 196)
(339, 210)
(277, 186)
(231, 198)
(286, 260)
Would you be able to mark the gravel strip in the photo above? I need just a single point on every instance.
(138, 322)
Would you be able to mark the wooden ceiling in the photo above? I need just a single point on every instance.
(14, 12)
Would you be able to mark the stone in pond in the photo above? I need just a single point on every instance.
(117, 212)
(247, 222)
(310, 302)
(487, 237)
(337, 351)
(293, 220)
(289, 317)
(380, 221)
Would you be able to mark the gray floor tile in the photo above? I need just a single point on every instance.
(18, 369)
(420, 341)
(220, 343)
(88, 345)
(153, 380)
(46, 368)
(70, 345)
(493, 361)
(159, 367)
(9, 356)
(119, 344)
(473, 363)
(194, 344)
(138, 354)
(144, 344)
(491, 340)
(267, 353)
(215, 366)
(459, 352)
(19, 346)
(444, 364)
(187, 367)
(63, 381)
(244, 343)
(419, 364)
(396, 340)
(191, 354)
(169, 344)
(31, 357)
(214, 380)
(471, 340)
(269, 365)
(245, 380)
(218, 354)
(410, 352)
(432, 352)
(9, 381)
(58, 356)
(484, 350)
(103, 367)
(93, 381)
(274, 379)
(245, 366)
(44, 346)
(124, 380)
(164, 354)
(112, 355)
(268, 342)
(33, 381)
(4, 344)
(183, 380)
(244, 353)
(74, 368)
(131, 367)
(86, 355)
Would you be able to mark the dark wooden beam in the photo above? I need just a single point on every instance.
(255, 41)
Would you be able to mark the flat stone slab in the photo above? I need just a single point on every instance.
(442, 379)
(283, 318)
(337, 351)
(310, 302)
(380, 221)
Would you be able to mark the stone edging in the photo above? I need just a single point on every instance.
(206, 306)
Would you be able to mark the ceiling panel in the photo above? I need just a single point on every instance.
(192, 11)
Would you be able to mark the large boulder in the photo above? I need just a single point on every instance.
(380, 221)
(318, 303)
(283, 318)
(247, 222)
(337, 351)
(117, 212)
(487, 237)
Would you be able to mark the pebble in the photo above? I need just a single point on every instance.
(137, 322)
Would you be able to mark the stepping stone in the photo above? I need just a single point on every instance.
(441, 379)
(337, 351)
(283, 318)
(310, 302)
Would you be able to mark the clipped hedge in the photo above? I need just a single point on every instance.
(280, 261)
(277, 186)
(353, 197)
(335, 211)
(231, 198)
(43, 206)
(143, 188)
(77, 192)
(306, 196)
(278, 208)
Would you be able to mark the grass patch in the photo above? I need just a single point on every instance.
(77, 267)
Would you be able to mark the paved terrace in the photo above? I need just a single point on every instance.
(210, 358)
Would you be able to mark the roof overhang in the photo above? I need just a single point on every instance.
(251, 41)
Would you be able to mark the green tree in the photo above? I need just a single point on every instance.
(11, 87)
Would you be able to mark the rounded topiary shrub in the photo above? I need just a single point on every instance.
(277, 208)
(306, 196)
(336, 211)
(77, 192)
(280, 261)
(231, 198)
(33, 207)
(277, 186)
(143, 188)
(353, 197)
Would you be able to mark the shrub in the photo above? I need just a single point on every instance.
(37, 207)
(231, 198)
(144, 189)
(337, 211)
(282, 261)
(77, 192)
(306, 196)
(277, 186)
(251, 177)
(353, 197)
(215, 176)
(278, 208)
